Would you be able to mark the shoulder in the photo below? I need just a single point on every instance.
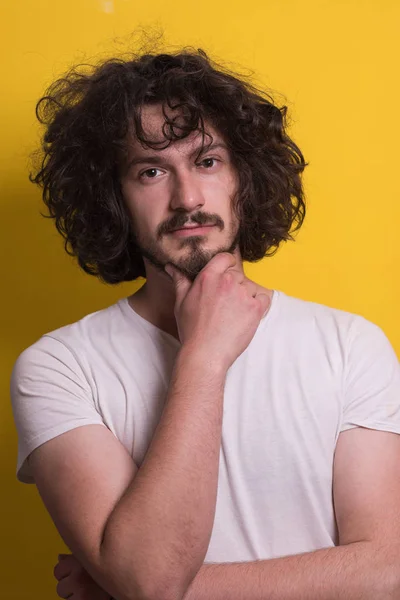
(306, 312)
(68, 343)
(351, 331)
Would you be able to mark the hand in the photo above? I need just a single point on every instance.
(75, 582)
(220, 311)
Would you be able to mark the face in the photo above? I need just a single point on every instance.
(168, 189)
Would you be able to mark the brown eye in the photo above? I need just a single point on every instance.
(148, 171)
(208, 159)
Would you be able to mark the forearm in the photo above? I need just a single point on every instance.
(359, 571)
(159, 532)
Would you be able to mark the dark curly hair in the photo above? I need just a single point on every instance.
(88, 118)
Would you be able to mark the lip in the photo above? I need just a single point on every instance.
(198, 230)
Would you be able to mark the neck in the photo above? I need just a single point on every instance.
(155, 300)
(157, 307)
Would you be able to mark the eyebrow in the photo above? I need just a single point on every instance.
(158, 160)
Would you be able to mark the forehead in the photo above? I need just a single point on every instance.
(153, 121)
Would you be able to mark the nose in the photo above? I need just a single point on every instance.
(186, 193)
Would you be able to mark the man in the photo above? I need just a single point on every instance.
(207, 437)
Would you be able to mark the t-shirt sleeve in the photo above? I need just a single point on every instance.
(49, 395)
(371, 380)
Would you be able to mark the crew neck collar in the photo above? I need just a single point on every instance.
(133, 316)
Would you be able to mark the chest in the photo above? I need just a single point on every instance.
(280, 409)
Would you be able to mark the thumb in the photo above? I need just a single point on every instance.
(182, 284)
(170, 270)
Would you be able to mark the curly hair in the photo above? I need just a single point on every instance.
(89, 117)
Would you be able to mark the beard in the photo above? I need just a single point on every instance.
(193, 256)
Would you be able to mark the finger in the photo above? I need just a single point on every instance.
(61, 570)
(65, 588)
(250, 287)
(69, 558)
(265, 302)
(221, 262)
(248, 284)
(237, 274)
(181, 283)
(67, 563)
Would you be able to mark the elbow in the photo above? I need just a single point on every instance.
(393, 582)
(171, 588)
(387, 580)
(119, 579)
(124, 584)
(143, 578)
(163, 595)
(165, 592)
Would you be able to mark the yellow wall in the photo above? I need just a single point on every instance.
(335, 61)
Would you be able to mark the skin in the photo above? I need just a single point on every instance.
(174, 193)
(167, 196)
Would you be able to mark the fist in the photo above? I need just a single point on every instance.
(74, 581)
(218, 314)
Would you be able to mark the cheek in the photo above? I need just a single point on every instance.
(228, 181)
(147, 222)
(220, 187)
(135, 202)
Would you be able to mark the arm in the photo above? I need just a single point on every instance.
(366, 564)
(141, 533)
(163, 523)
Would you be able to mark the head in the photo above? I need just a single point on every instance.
(188, 183)
(137, 148)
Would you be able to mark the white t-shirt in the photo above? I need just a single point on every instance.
(309, 373)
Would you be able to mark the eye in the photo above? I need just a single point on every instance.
(210, 158)
(148, 171)
(143, 174)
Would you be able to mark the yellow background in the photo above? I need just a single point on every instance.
(335, 62)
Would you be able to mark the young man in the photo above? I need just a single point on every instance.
(205, 438)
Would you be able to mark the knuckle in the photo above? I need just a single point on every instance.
(222, 260)
(228, 278)
(220, 256)
(204, 275)
(59, 589)
(58, 571)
